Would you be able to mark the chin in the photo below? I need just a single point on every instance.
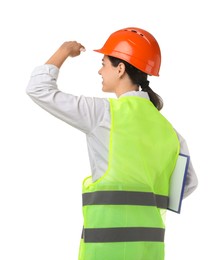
(104, 89)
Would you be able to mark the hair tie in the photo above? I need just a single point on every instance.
(145, 86)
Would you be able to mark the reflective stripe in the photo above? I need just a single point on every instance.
(102, 235)
(125, 198)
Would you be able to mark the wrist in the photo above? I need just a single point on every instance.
(58, 57)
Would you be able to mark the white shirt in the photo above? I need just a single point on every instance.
(90, 115)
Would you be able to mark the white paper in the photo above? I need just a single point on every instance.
(177, 183)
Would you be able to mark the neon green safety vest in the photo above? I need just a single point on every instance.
(123, 210)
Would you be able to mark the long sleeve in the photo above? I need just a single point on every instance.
(83, 113)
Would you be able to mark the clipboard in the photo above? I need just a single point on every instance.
(177, 183)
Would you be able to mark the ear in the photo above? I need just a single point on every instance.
(121, 69)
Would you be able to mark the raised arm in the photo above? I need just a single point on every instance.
(83, 113)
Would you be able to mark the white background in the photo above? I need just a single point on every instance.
(43, 160)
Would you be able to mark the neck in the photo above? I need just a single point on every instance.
(125, 88)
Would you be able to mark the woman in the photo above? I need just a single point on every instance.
(132, 148)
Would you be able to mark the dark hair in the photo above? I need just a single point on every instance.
(139, 78)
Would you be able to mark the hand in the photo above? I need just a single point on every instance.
(72, 48)
(67, 49)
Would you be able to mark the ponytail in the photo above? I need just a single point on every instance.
(154, 97)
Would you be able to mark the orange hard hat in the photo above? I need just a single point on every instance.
(135, 46)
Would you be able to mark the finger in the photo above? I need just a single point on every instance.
(82, 48)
